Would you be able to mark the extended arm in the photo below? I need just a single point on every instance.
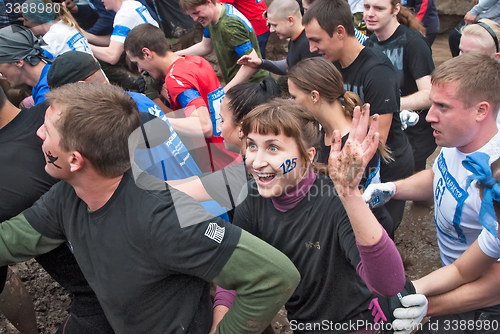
(197, 124)
(110, 54)
(279, 67)
(469, 283)
(481, 6)
(417, 187)
(269, 280)
(346, 167)
(191, 186)
(19, 241)
(420, 99)
(202, 48)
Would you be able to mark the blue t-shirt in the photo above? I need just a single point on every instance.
(164, 155)
(42, 87)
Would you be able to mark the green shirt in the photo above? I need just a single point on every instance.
(233, 37)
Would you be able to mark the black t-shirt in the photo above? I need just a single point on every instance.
(22, 165)
(148, 254)
(411, 56)
(317, 237)
(298, 49)
(23, 181)
(373, 78)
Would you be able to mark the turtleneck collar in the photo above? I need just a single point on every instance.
(292, 197)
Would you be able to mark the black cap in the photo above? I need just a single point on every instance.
(71, 67)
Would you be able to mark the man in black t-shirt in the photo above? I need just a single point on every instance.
(412, 58)
(148, 252)
(369, 74)
(22, 164)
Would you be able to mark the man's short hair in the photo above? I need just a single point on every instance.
(146, 36)
(330, 14)
(190, 4)
(283, 8)
(96, 120)
(476, 76)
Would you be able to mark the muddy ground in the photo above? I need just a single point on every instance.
(415, 238)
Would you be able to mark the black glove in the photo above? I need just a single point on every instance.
(383, 308)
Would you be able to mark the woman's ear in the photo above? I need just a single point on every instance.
(311, 153)
(315, 96)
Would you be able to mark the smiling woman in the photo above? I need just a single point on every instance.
(322, 226)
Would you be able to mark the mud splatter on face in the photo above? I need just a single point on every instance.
(52, 159)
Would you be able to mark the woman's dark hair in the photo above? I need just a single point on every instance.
(246, 96)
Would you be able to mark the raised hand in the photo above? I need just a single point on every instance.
(346, 166)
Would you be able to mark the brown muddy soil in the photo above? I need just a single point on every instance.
(415, 238)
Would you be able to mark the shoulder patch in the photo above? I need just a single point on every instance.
(215, 232)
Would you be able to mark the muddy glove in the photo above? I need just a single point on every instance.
(149, 86)
(408, 317)
(383, 308)
(408, 118)
(378, 194)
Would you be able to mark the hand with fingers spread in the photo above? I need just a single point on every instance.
(346, 166)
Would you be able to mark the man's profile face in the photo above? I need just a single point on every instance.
(145, 65)
(319, 40)
(57, 162)
(452, 121)
(12, 73)
(279, 26)
(204, 14)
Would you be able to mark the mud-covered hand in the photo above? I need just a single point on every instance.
(346, 166)
(408, 317)
(251, 60)
(378, 194)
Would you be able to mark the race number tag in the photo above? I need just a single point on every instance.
(214, 101)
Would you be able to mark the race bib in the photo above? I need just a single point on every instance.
(214, 101)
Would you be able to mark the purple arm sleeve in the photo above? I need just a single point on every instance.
(381, 267)
(224, 297)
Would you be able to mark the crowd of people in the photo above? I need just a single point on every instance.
(166, 200)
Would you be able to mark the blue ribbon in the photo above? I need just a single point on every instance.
(478, 163)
